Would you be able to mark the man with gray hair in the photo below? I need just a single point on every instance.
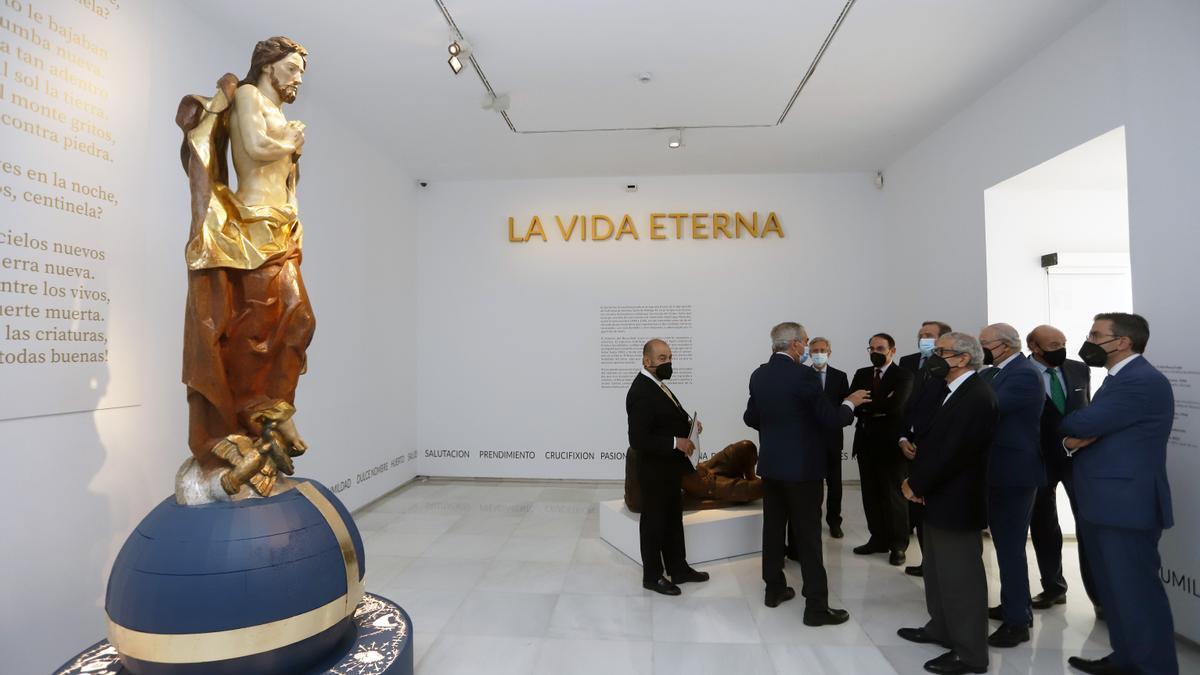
(792, 415)
(1015, 472)
(836, 386)
(949, 476)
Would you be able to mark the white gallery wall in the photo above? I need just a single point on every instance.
(510, 346)
(79, 483)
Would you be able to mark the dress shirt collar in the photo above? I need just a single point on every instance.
(1124, 362)
(1007, 361)
(650, 375)
(956, 383)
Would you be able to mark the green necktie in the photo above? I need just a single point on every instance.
(1056, 392)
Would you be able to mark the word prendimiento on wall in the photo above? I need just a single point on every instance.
(599, 227)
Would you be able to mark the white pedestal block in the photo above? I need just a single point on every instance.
(711, 534)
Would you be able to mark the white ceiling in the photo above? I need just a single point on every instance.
(895, 71)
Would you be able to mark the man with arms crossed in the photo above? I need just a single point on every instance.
(1119, 450)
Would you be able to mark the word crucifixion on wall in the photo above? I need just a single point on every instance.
(599, 227)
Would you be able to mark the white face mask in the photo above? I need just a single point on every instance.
(819, 358)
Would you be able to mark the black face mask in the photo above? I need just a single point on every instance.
(1093, 354)
(937, 367)
(1055, 357)
(988, 359)
(663, 371)
(878, 359)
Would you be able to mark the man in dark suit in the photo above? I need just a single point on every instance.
(793, 416)
(949, 475)
(921, 405)
(1015, 472)
(1068, 385)
(658, 431)
(837, 387)
(1119, 445)
(881, 465)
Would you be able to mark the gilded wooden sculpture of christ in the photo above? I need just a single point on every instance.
(248, 321)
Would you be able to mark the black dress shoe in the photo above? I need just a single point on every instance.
(835, 531)
(915, 571)
(774, 597)
(661, 586)
(1102, 666)
(825, 617)
(897, 558)
(689, 575)
(869, 548)
(1009, 635)
(950, 664)
(921, 637)
(996, 613)
(1046, 600)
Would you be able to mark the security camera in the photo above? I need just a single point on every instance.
(422, 183)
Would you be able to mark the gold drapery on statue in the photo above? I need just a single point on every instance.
(248, 321)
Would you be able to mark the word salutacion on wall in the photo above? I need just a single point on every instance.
(657, 226)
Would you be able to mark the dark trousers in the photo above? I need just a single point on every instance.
(1009, 512)
(661, 526)
(1125, 567)
(881, 469)
(833, 486)
(1047, 537)
(916, 521)
(796, 505)
(956, 592)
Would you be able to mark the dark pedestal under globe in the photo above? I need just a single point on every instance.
(381, 644)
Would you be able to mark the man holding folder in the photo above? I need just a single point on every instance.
(658, 432)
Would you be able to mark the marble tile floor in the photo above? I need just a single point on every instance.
(512, 577)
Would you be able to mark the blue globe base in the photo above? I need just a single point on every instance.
(379, 642)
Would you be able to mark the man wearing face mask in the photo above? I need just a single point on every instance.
(921, 404)
(793, 416)
(949, 476)
(658, 433)
(1068, 388)
(1119, 470)
(837, 387)
(881, 465)
(1015, 472)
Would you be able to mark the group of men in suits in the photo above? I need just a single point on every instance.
(950, 448)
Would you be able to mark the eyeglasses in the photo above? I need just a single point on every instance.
(944, 352)
(1094, 335)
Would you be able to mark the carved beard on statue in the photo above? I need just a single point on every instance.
(287, 92)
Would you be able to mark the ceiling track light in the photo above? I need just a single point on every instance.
(676, 140)
(459, 50)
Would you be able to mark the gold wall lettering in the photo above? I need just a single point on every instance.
(602, 227)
